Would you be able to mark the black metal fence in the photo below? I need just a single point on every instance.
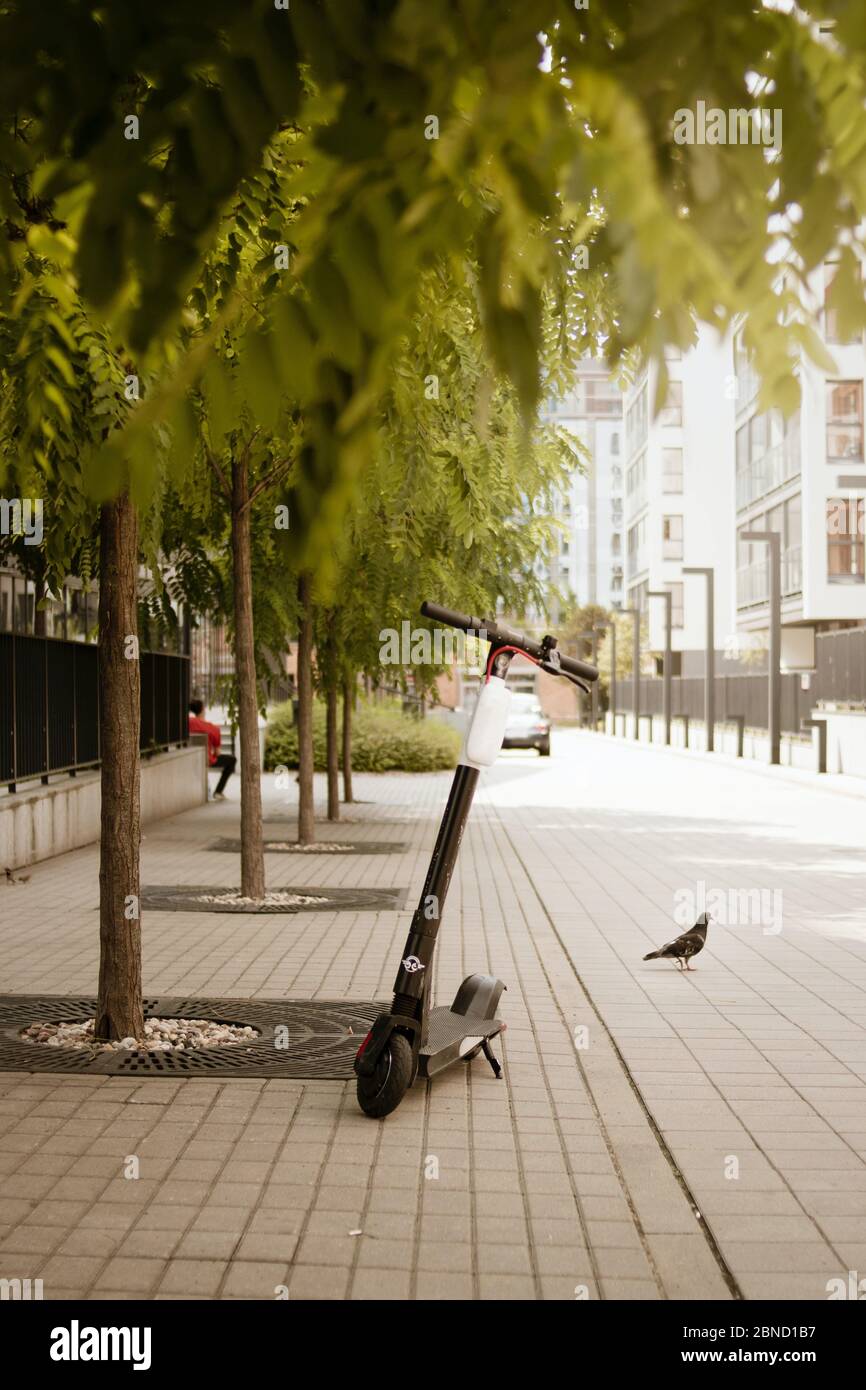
(735, 695)
(840, 667)
(839, 678)
(49, 705)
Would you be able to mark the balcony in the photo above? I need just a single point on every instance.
(637, 562)
(636, 500)
(753, 581)
(777, 466)
(748, 384)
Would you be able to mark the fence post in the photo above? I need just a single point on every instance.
(740, 721)
(14, 702)
(821, 726)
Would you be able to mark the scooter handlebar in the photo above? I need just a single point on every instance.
(500, 635)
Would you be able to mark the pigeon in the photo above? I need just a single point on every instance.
(12, 877)
(682, 948)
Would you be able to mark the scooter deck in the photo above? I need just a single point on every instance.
(450, 1036)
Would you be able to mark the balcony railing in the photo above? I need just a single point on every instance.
(753, 581)
(777, 466)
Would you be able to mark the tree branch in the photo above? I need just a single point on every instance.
(278, 472)
(219, 473)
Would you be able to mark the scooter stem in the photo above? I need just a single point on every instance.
(412, 982)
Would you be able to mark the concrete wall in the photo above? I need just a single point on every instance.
(50, 820)
(846, 740)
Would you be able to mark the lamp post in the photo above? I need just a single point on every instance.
(611, 626)
(774, 683)
(710, 660)
(634, 614)
(593, 699)
(668, 598)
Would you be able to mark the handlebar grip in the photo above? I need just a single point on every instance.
(462, 621)
(578, 668)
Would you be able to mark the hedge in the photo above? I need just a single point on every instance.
(383, 740)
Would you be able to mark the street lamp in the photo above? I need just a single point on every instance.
(634, 614)
(710, 660)
(610, 626)
(774, 541)
(593, 706)
(668, 598)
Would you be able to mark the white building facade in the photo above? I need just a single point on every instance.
(679, 494)
(804, 478)
(590, 564)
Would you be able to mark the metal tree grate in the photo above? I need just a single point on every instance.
(187, 898)
(279, 845)
(321, 1038)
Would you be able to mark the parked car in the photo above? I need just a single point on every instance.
(527, 726)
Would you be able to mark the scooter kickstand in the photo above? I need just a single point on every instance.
(488, 1053)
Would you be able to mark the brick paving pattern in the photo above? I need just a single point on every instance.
(655, 1136)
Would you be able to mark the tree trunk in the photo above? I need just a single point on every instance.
(348, 708)
(333, 755)
(306, 804)
(119, 1008)
(252, 846)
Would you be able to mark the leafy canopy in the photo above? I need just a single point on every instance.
(530, 160)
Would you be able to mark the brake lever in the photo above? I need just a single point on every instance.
(553, 668)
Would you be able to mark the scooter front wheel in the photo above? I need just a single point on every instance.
(382, 1092)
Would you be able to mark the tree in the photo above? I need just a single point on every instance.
(64, 388)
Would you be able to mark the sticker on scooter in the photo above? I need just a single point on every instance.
(411, 964)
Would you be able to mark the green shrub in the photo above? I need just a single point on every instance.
(383, 740)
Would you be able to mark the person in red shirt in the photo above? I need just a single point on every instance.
(226, 761)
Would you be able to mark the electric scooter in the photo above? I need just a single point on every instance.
(414, 1039)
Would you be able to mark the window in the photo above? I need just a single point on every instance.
(616, 543)
(676, 592)
(672, 411)
(767, 454)
(846, 525)
(639, 596)
(636, 422)
(793, 521)
(614, 443)
(672, 538)
(636, 545)
(831, 315)
(635, 483)
(672, 470)
(844, 420)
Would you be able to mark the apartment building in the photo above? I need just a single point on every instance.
(679, 496)
(590, 563)
(804, 478)
(711, 466)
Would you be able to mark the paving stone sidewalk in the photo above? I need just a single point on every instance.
(631, 1094)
